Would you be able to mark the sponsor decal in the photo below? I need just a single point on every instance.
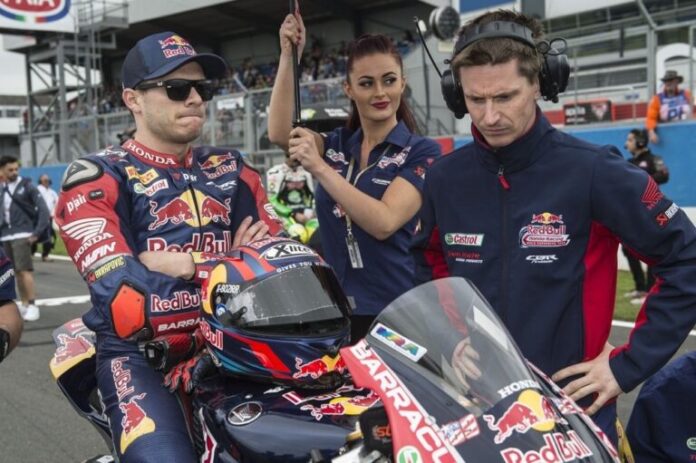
(190, 177)
(211, 335)
(205, 242)
(398, 342)
(180, 300)
(6, 276)
(145, 178)
(34, 11)
(350, 406)
(663, 218)
(84, 229)
(318, 367)
(96, 194)
(264, 242)
(215, 160)
(396, 159)
(546, 230)
(96, 255)
(336, 158)
(407, 412)
(558, 448)
(182, 209)
(295, 398)
(409, 454)
(122, 377)
(141, 189)
(531, 410)
(381, 181)
(156, 158)
(135, 422)
(517, 386)
(226, 288)
(652, 194)
(175, 45)
(467, 257)
(74, 203)
(268, 207)
(244, 414)
(176, 325)
(542, 259)
(72, 346)
(691, 443)
(464, 239)
(106, 268)
(286, 251)
(224, 186)
(209, 442)
(460, 431)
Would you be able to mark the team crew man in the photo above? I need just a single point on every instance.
(533, 216)
(153, 201)
(370, 173)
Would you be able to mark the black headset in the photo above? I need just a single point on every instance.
(553, 76)
(641, 137)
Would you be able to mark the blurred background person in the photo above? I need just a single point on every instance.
(50, 197)
(671, 104)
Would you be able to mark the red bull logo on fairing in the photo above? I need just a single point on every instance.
(318, 367)
(531, 410)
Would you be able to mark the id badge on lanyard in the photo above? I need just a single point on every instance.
(352, 244)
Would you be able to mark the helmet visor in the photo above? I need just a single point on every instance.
(306, 300)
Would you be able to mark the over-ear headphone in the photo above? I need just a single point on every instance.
(641, 137)
(553, 76)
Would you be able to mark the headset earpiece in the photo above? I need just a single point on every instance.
(553, 78)
(452, 93)
(641, 138)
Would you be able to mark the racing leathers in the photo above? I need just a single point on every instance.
(535, 226)
(116, 204)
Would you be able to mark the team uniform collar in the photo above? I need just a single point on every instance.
(155, 158)
(518, 154)
(399, 136)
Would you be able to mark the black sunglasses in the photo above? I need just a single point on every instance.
(180, 89)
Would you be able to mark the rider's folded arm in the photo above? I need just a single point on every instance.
(91, 215)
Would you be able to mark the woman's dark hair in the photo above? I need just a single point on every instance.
(372, 44)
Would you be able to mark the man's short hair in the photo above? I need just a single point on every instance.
(7, 159)
(502, 50)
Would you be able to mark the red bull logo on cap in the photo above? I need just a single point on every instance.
(175, 45)
(135, 422)
(531, 410)
(186, 209)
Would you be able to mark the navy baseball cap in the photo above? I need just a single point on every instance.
(159, 54)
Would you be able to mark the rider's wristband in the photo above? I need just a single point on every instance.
(4, 344)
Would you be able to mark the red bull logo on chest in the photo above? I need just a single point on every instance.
(545, 230)
(195, 209)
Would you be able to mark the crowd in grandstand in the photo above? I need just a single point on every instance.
(319, 62)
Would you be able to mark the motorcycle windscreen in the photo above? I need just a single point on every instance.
(452, 353)
(308, 300)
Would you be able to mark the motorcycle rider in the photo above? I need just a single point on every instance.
(533, 217)
(291, 192)
(155, 200)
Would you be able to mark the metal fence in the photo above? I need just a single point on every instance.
(236, 120)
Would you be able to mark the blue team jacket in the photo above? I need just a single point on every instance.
(535, 226)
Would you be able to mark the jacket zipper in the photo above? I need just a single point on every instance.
(199, 219)
(504, 247)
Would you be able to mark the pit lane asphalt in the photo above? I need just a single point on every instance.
(37, 424)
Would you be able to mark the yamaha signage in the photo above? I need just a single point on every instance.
(44, 15)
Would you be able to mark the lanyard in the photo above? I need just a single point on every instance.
(351, 243)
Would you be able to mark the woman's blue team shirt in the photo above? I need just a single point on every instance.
(387, 265)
